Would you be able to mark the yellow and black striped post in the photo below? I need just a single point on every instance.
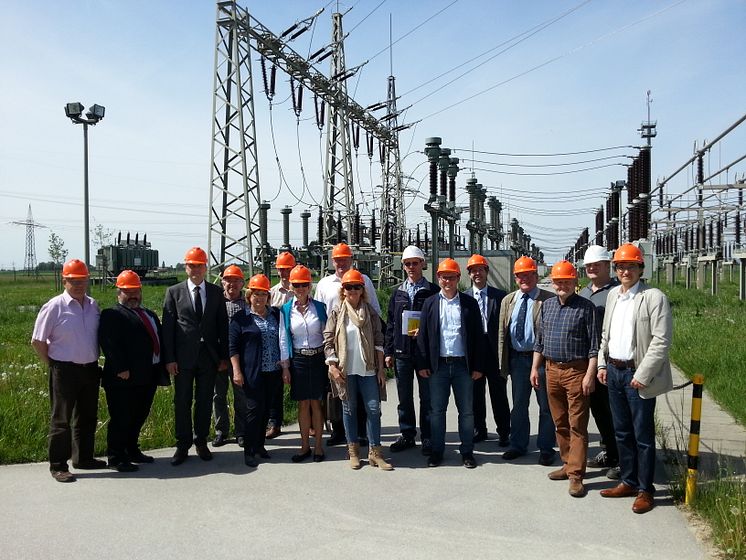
(693, 454)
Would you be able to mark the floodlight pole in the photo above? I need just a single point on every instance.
(86, 212)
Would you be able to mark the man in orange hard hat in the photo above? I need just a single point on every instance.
(327, 292)
(519, 321)
(449, 355)
(567, 344)
(233, 282)
(129, 335)
(279, 295)
(195, 348)
(489, 300)
(634, 363)
(65, 338)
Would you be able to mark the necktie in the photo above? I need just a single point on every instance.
(197, 303)
(483, 308)
(520, 328)
(150, 329)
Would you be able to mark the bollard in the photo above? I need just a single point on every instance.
(693, 453)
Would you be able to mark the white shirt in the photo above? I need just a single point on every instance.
(481, 295)
(622, 326)
(451, 344)
(327, 292)
(355, 364)
(202, 292)
(307, 331)
(279, 295)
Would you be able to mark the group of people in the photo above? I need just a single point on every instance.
(333, 350)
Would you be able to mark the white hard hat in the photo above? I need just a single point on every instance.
(594, 254)
(412, 252)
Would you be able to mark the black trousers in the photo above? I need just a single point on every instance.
(601, 411)
(73, 392)
(256, 413)
(129, 407)
(194, 388)
(500, 407)
(276, 411)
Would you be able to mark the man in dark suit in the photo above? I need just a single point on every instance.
(129, 336)
(195, 347)
(448, 342)
(489, 299)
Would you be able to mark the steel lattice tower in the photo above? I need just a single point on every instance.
(235, 196)
(29, 261)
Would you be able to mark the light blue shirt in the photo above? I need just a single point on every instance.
(450, 326)
(528, 341)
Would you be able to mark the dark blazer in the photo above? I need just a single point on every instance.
(182, 332)
(494, 299)
(127, 346)
(472, 335)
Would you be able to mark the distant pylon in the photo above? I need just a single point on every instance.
(29, 263)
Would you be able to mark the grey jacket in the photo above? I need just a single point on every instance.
(651, 340)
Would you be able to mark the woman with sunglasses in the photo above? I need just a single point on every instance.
(254, 345)
(353, 344)
(302, 358)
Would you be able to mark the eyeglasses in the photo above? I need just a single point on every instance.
(303, 285)
(448, 278)
(351, 287)
(626, 266)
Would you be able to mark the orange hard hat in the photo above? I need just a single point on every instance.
(259, 282)
(449, 265)
(195, 255)
(341, 250)
(128, 280)
(564, 270)
(74, 268)
(477, 260)
(628, 253)
(233, 271)
(300, 275)
(524, 264)
(353, 276)
(285, 260)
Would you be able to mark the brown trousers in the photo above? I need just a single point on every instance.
(570, 412)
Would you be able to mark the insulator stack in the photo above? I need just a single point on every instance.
(710, 239)
(738, 228)
(700, 176)
(719, 234)
(304, 216)
(373, 233)
(645, 193)
(320, 226)
(286, 225)
(358, 239)
(433, 180)
(263, 209)
(443, 162)
(339, 228)
(599, 239)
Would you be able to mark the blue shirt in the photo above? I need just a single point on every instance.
(568, 332)
(450, 326)
(414, 287)
(270, 341)
(528, 340)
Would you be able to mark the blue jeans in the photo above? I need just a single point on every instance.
(520, 425)
(453, 374)
(405, 375)
(634, 428)
(369, 391)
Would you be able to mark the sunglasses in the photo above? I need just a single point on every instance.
(409, 264)
(303, 285)
(350, 287)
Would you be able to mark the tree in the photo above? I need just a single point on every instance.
(58, 254)
(103, 236)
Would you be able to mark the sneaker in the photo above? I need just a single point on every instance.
(602, 461)
(614, 473)
(401, 444)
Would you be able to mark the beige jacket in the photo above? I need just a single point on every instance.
(503, 333)
(651, 341)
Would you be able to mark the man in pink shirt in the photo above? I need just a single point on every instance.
(65, 338)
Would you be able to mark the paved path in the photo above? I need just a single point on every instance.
(325, 510)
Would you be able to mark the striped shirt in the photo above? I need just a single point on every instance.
(568, 332)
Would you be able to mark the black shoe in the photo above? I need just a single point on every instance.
(318, 458)
(179, 457)
(435, 459)
(511, 454)
(219, 440)
(300, 457)
(203, 452)
(90, 464)
(126, 466)
(239, 441)
(614, 473)
(427, 447)
(336, 439)
(263, 454)
(547, 459)
(469, 461)
(401, 444)
(249, 460)
(503, 442)
(480, 435)
(140, 457)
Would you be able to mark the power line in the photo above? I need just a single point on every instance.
(549, 173)
(564, 164)
(580, 152)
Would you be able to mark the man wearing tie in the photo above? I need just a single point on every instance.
(195, 347)
(519, 322)
(489, 300)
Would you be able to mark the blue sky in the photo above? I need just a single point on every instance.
(151, 65)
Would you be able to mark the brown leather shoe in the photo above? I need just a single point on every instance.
(63, 476)
(621, 490)
(559, 474)
(272, 432)
(577, 490)
(643, 503)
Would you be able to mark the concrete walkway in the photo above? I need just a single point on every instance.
(221, 509)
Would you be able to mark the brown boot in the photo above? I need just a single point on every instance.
(375, 458)
(354, 451)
